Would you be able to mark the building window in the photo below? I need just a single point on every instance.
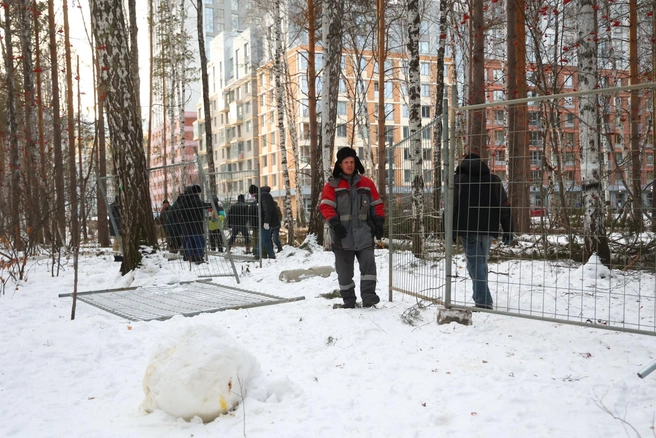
(424, 68)
(235, 21)
(498, 116)
(425, 111)
(425, 90)
(341, 108)
(424, 47)
(389, 111)
(235, 5)
(340, 131)
(209, 20)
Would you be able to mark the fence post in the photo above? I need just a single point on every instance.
(390, 201)
(450, 146)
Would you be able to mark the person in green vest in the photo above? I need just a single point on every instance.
(215, 226)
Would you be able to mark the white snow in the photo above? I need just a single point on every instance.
(323, 372)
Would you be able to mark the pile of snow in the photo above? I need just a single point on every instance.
(199, 372)
(594, 268)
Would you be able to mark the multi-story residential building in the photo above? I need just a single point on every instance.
(234, 117)
(357, 110)
(168, 176)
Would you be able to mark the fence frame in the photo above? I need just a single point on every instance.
(448, 144)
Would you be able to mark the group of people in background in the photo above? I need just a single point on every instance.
(183, 223)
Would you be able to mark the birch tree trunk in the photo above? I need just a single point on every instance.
(414, 120)
(14, 228)
(291, 109)
(636, 224)
(34, 216)
(594, 232)
(316, 225)
(118, 90)
(439, 109)
(280, 107)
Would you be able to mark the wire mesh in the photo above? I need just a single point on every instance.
(147, 303)
(582, 211)
(188, 220)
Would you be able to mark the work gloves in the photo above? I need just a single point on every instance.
(338, 228)
(340, 231)
(379, 230)
(266, 226)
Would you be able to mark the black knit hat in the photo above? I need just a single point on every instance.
(344, 153)
(252, 189)
(195, 188)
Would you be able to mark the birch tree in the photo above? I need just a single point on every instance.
(14, 226)
(118, 90)
(280, 109)
(414, 120)
(596, 240)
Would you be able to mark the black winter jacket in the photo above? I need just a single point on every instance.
(269, 211)
(480, 202)
(191, 214)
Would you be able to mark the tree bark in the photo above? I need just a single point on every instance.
(14, 229)
(209, 145)
(280, 106)
(118, 91)
(414, 120)
(594, 231)
(72, 167)
(477, 132)
(317, 179)
(60, 201)
(519, 169)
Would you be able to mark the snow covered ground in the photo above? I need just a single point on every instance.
(323, 372)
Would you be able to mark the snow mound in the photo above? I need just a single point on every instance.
(199, 372)
(594, 268)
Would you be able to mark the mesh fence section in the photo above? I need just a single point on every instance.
(189, 220)
(580, 248)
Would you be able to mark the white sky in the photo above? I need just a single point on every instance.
(324, 372)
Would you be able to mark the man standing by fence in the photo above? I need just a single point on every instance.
(480, 204)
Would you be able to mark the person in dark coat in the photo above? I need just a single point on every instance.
(351, 205)
(480, 205)
(238, 221)
(269, 215)
(191, 214)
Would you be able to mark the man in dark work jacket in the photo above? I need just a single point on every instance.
(480, 205)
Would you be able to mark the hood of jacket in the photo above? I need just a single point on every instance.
(473, 166)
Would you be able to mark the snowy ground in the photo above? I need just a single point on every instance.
(324, 372)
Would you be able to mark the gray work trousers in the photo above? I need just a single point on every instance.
(344, 261)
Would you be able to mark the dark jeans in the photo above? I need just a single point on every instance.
(267, 243)
(275, 234)
(194, 248)
(477, 251)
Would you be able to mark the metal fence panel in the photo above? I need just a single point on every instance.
(546, 272)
